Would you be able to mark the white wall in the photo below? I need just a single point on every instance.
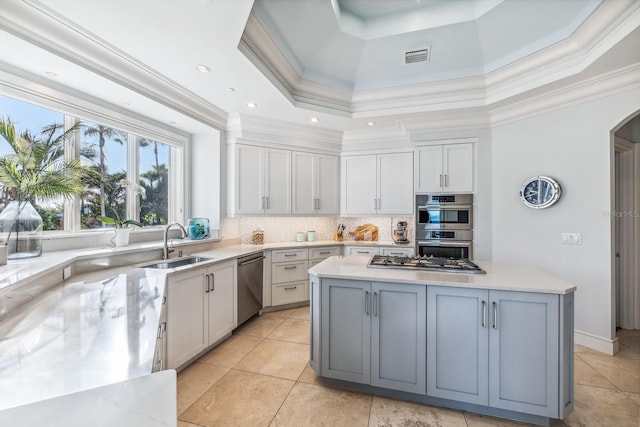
(573, 145)
(207, 171)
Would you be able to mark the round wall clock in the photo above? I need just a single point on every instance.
(540, 192)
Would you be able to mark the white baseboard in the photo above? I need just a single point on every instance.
(596, 343)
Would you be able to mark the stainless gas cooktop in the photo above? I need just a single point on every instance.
(440, 265)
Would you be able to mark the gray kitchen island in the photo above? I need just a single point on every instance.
(499, 343)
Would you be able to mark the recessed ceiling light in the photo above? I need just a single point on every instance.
(51, 73)
(371, 123)
(252, 105)
(314, 119)
(231, 89)
(202, 68)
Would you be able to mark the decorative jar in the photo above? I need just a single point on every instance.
(21, 230)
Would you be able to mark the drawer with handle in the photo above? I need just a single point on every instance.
(289, 272)
(288, 293)
(362, 251)
(397, 251)
(289, 255)
(322, 253)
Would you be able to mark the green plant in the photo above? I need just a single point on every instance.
(37, 170)
(118, 222)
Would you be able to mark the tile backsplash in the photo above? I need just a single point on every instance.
(283, 229)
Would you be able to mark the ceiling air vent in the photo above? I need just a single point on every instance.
(413, 56)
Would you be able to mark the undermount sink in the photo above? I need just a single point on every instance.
(178, 262)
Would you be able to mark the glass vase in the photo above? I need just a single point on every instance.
(21, 230)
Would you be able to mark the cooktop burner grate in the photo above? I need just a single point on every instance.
(444, 265)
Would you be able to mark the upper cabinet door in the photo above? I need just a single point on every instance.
(395, 184)
(304, 183)
(428, 169)
(359, 193)
(328, 190)
(277, 182)
(315, 184)
(458, 168)
(249, 177)
(262, 180)
(444, 168)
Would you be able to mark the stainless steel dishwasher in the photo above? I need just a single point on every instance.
(249, 286)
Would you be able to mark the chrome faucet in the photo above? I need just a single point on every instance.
(166, 250)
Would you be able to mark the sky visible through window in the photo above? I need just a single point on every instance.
(33, 117)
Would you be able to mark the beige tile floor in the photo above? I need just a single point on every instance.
(260, 377)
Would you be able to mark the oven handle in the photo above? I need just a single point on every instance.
(444, 207)
(444, 243)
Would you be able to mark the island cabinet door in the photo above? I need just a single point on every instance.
(346, 330)
(399, 336)
(457, 344)
(523, 352)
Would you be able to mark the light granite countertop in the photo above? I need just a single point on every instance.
(505, 277)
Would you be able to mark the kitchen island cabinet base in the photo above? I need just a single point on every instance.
(435, 401)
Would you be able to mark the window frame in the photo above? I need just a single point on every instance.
(136, 127)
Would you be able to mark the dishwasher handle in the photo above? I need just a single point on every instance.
(251, 261)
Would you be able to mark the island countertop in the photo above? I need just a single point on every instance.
(499, 276)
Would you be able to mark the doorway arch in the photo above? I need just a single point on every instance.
(625, 224)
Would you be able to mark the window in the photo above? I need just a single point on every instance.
(153, 167)
(105, 148)
(134, 174)
(38, 125)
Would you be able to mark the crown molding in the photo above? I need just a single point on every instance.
(610, 23)
(617, 81)
(31, 87)
(282, 134)
(35, 23)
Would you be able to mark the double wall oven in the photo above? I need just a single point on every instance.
(444, 225)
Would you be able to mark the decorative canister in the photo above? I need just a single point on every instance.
(257, 237)
(300, 236)
(311, 236)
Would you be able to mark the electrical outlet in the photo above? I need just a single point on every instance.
(571, 238)
(66, 273)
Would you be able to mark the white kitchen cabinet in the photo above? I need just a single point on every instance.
(221, 279)
(315, 184)
(361, 250)
(494, 348)
(317, 255)
(406, 251)
(289, 278)
(377, 184)
(446, 168)
(262, 180)
(200, 310)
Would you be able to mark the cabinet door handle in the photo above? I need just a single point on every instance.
(325, 253)
(213, 282)
(484, 314)
(495, 315)
(291, 268)
(366, 303)
(395, 253)
(375, 304)
(290, 288)
(362, 252)
(440, 180)
(290, 254)
(208, 284)
(446, 181)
